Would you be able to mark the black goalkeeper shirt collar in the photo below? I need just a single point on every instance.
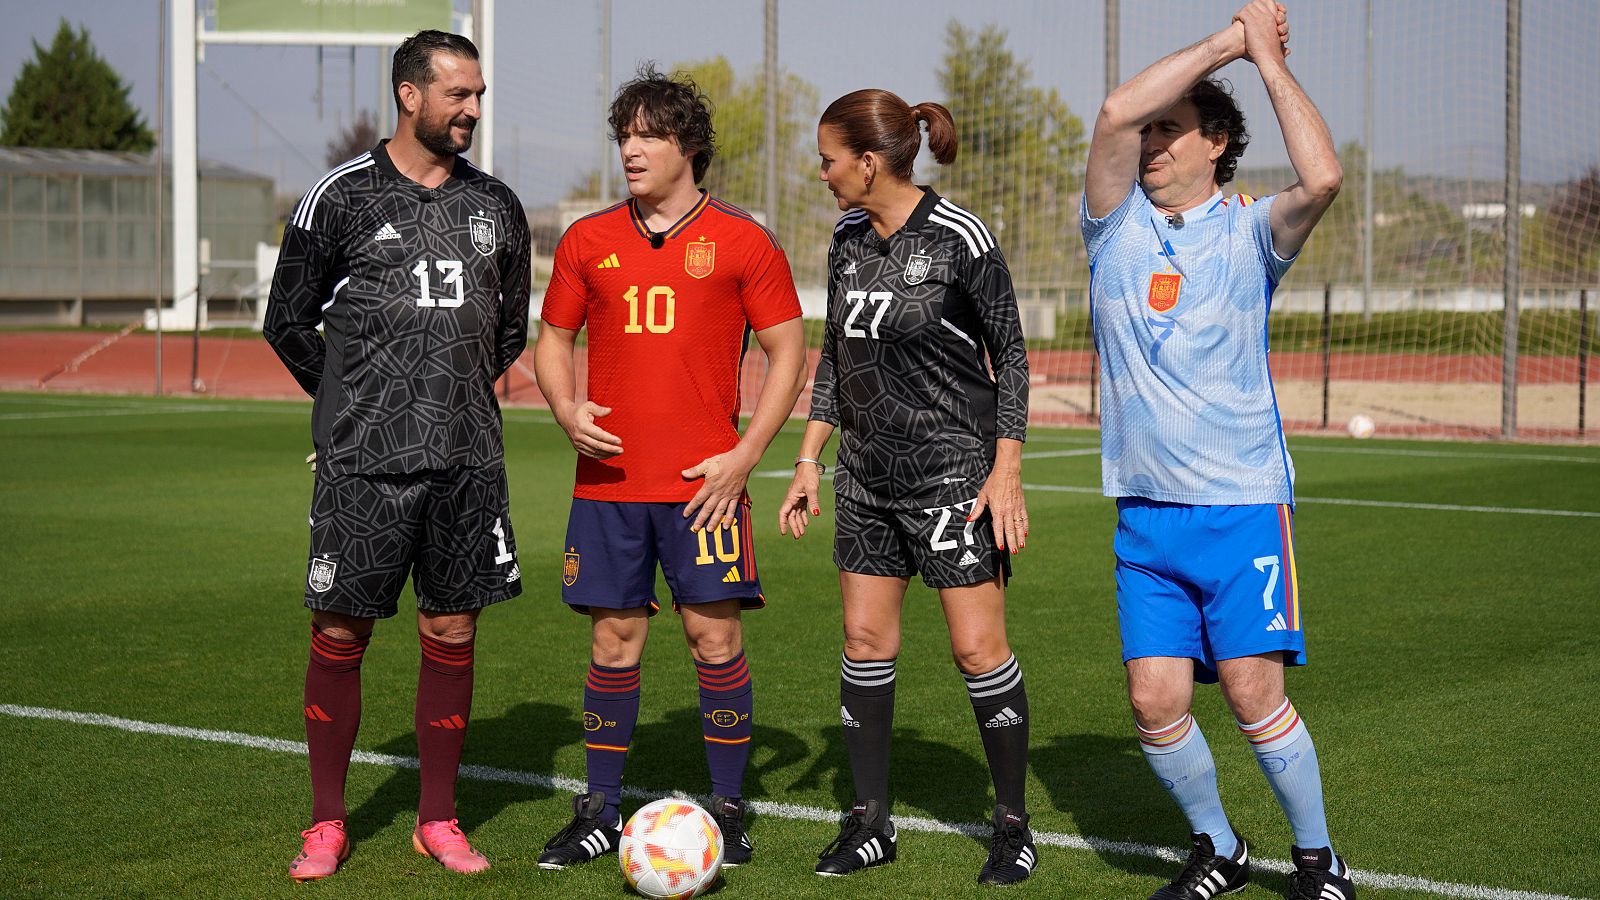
(458, 172)
(919, 216)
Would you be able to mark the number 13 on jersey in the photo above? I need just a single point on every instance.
(452, 276)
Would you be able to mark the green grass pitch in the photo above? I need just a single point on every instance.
(154, 552)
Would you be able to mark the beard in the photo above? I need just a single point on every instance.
(438, 141)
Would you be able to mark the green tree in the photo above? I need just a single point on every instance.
(1020, 165)
(68, 96)
(354, 139)
(1416, 239)
(738, 115)
(738, 170)
(1563, 241)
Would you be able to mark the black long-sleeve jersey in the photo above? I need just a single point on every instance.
(914, 324)
(424, 298)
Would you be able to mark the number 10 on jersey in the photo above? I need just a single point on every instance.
(660, 310)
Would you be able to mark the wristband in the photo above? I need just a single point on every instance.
(821, 466)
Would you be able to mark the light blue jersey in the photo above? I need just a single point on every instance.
(1188, 413)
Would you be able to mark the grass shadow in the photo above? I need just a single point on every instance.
(1107, 787)
(525, 739)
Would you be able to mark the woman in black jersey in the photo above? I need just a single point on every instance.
(920, 310)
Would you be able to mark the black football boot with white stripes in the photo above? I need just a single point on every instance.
(1012, 855)
(1208, 875)
(585, 838)
(866, 838)
(1313, 878)
(736, 848)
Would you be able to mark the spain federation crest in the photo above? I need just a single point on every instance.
(1164, 287)
(482, 229)
(569, 569)
(321, 577)
(917, 268)
(700, 257)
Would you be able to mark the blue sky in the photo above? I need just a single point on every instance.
(1438, 67)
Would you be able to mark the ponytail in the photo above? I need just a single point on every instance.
(877, 121)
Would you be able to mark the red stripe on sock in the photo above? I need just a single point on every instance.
(613, 682)
(454, 655)
(727, 677)
(315, 713)
(335, 649)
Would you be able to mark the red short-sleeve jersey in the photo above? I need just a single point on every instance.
(667, 332)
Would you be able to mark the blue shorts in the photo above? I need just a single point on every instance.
(1207, 582)
(613, 548)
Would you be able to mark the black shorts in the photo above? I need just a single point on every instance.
(450, 529)
(938, 541)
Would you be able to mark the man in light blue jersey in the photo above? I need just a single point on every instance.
(1182, 276)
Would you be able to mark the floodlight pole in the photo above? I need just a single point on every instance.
(160, 161)
(185, 176)
(483, 24)
(1368, 215)
(1513, 219)
(606, 158)
(770, 117)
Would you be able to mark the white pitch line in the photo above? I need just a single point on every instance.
(145, 411)
(1057, 454)
(1451, 507)
(1443, 454)
(762, 807)
(1381, 504)
(1332, 501)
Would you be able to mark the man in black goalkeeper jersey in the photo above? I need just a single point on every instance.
(416, 263)
(920, 307)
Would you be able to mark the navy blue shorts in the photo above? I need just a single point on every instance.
(1207, 582)
(613, 549)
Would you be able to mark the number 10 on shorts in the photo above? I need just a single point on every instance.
(728, 553)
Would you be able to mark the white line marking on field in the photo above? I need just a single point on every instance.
(1451, 507)
(1057, 454)
(1381, 504)
(763, 807)
(1443, 454)
(145, 411)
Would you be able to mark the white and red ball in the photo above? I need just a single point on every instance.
(1361, 426)
(671, 849)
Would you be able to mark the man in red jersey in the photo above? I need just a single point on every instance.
(669, 282)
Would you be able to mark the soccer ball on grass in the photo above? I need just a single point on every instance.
(1360, 426)
(670, 849)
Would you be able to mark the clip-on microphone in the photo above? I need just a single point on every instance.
(657, 239)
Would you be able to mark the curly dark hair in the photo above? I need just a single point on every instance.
(413, 59)
(1220, 115)
(670, 107)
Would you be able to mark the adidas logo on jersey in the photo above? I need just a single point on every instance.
(850, 269)
(1277, 623)
(968, 559)
(387, 233)
(1006, 716)
(515, 574)
(848, 720)
(610, 262)
(732, 577)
